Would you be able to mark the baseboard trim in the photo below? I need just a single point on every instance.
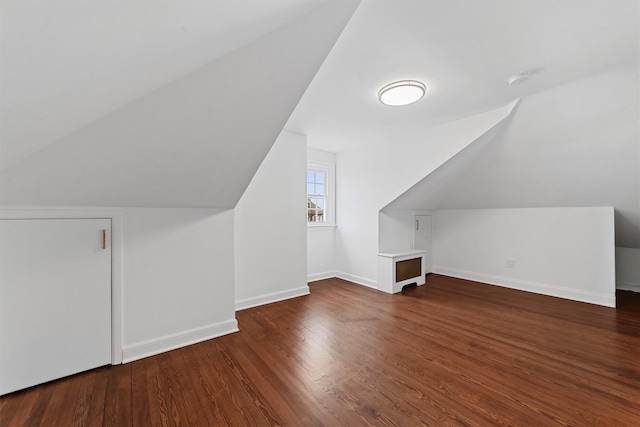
(357, 279)
(174, 341)
(624, 286)
(272, 297)
(322, 276)
(523, 285)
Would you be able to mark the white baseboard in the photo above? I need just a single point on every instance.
(344, 276)
(181, 339)
(273, 297)
(322, 276)
(628, 286)
(357, 279)
(538, 288)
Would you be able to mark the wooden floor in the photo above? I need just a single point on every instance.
(451, 352)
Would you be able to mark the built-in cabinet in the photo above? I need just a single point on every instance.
(55, 299)
(399, 269)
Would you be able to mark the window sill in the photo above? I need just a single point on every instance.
(320, 227)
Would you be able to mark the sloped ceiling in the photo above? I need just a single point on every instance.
(66, 63)
(576, 145)
(573, 141)
(464, 51)
(196, 141)
(175, 103)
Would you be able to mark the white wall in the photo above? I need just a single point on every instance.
(172, 274)
(321, 156)
(177, 278)
(195, 142)
(628, 269)
(369, 179)
(563, 252)
(321, 261)
(270, 227)
(574, 145)
(395, 230)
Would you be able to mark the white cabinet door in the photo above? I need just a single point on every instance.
(55, 299)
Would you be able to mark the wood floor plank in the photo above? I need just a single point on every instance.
(97, 395)
(202, 388)
(58, 411)
(90, 399)
(214, 387)
(24, 407)
(449, 353)
(118, 400)
(144, 413)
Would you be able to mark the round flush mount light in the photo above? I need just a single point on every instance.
(517, 79)
(400, 93)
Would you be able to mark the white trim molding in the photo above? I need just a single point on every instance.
(321, 276)
(330, 192)
(357, 279)
(174, 341)
(623, 286)
(272, 297)
(320, 227)
(528, 286)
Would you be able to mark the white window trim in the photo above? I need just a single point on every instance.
(330, 210)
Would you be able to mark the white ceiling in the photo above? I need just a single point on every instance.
(66, 63)
(464, 51)
(196, 141)
(81, 78)
(576, 145)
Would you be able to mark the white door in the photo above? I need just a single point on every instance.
(55, 299)
(422, 239)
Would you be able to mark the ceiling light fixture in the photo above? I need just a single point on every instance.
(517, 79)
(400, 93)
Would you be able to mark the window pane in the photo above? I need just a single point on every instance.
(316, 195)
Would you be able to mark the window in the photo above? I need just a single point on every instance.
(316, 195)
(320, 202)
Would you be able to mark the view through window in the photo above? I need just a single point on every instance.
(316, 195)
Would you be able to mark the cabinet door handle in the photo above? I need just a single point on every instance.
(104, 239)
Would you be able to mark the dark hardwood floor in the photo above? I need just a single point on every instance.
(451, 352)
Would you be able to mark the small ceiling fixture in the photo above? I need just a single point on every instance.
(519, 78)
(400, 93)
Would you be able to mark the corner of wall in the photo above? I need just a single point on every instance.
(270, 235)
(628, 269)
(174, 341)
(271, 297)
